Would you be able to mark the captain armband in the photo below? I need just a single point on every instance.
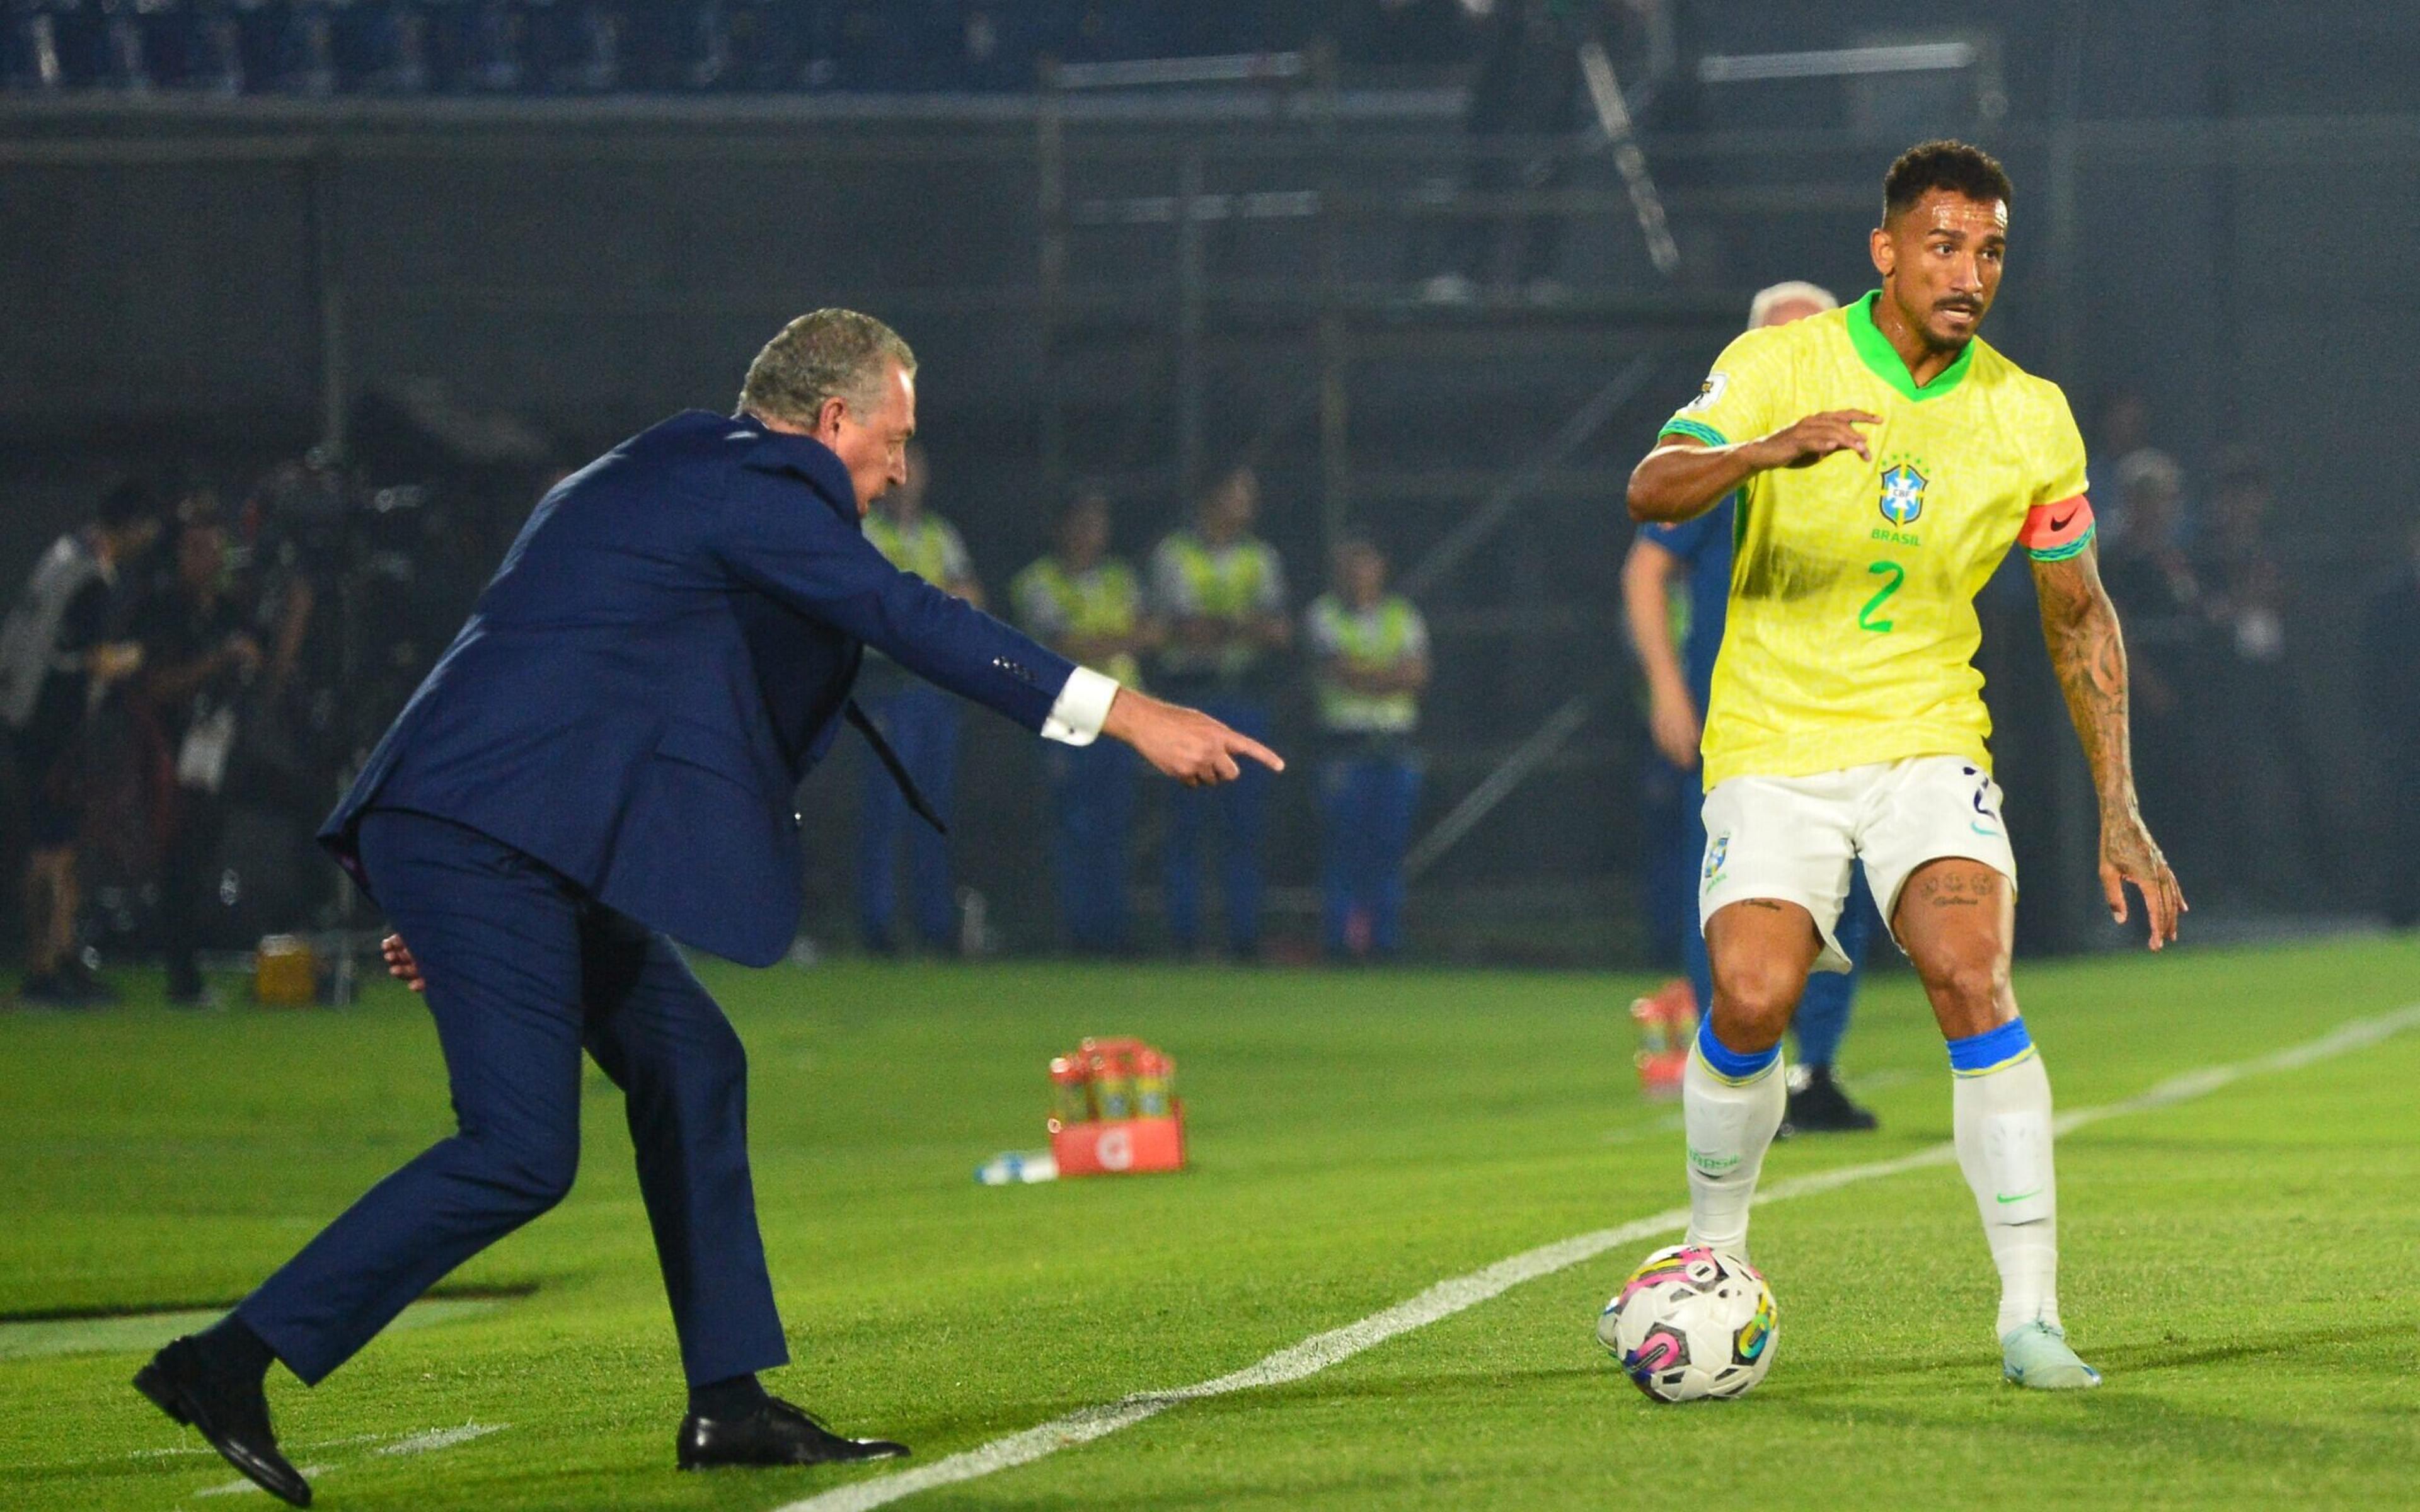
(2054, 532)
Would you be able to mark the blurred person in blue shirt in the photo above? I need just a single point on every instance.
(1676, 640)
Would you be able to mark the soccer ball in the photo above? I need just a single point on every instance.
(1692, 1323)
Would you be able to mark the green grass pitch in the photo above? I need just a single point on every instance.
(2240, 1264)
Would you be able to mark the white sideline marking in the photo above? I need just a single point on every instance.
(238, 1487)
(421, 1443)
(416, 1444)
(1447, 1298)
(315, 1444)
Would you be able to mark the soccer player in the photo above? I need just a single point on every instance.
(1676, 640)
(1886, 460)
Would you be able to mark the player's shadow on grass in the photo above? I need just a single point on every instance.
(2119, 1359)
(2166, 1355)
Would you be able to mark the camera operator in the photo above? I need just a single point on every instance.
(198, 656)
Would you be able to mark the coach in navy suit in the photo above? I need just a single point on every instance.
(604, 762)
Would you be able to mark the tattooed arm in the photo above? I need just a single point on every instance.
(2086, 651)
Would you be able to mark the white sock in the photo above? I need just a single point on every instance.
(2003, 1147)
(1730, 1125)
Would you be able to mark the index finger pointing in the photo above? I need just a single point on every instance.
(1247, 745)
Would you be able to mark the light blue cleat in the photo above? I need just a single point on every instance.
(2037, 1356)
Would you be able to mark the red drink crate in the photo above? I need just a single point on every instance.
(1125, 1119)
(1121, 1147)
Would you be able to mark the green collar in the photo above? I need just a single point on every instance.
(1875, 350)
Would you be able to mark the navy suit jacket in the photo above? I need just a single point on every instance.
(665, 655)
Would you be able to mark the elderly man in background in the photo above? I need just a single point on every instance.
(56, 660)
(2169, 653)
(1677, 638)
(603, 762)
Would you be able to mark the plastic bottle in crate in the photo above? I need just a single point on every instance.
(1113, 1083)
(1155, 1085)
(1071, 1091)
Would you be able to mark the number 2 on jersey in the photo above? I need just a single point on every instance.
(1894, 575)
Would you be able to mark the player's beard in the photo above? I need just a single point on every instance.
(1953, 344)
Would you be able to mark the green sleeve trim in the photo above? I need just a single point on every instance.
(1698, 428)
(2073, 549)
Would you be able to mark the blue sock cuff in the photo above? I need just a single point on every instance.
(1991, 1049)
(1728, 1063)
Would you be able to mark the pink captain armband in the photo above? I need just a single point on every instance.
(2054, 532)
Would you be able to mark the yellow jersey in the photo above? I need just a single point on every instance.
(1851, 630)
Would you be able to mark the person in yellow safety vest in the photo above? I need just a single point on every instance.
(1369, 652)
(1221, 592)
(1086, 603)
(920, 722)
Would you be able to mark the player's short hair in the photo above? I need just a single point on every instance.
(1956, 166)
(1789, 291)
(824, 354)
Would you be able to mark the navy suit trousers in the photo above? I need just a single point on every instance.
(524, 971)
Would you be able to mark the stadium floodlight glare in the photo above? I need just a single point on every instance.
(1835, 63)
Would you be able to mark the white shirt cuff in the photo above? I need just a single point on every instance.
(1083, 708)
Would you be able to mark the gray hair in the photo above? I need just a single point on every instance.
(2149, 468)
(824, 354)
(1794, 291)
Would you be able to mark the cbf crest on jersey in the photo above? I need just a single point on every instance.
(1902, 497)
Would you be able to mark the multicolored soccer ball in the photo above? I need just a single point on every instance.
(1691, 1323)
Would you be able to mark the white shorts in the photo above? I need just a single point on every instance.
(1793, 837)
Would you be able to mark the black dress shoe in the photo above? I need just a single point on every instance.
(1818, 1105)
(232, 1413)
(776, 1433)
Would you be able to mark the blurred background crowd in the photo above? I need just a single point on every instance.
(1286, 359)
